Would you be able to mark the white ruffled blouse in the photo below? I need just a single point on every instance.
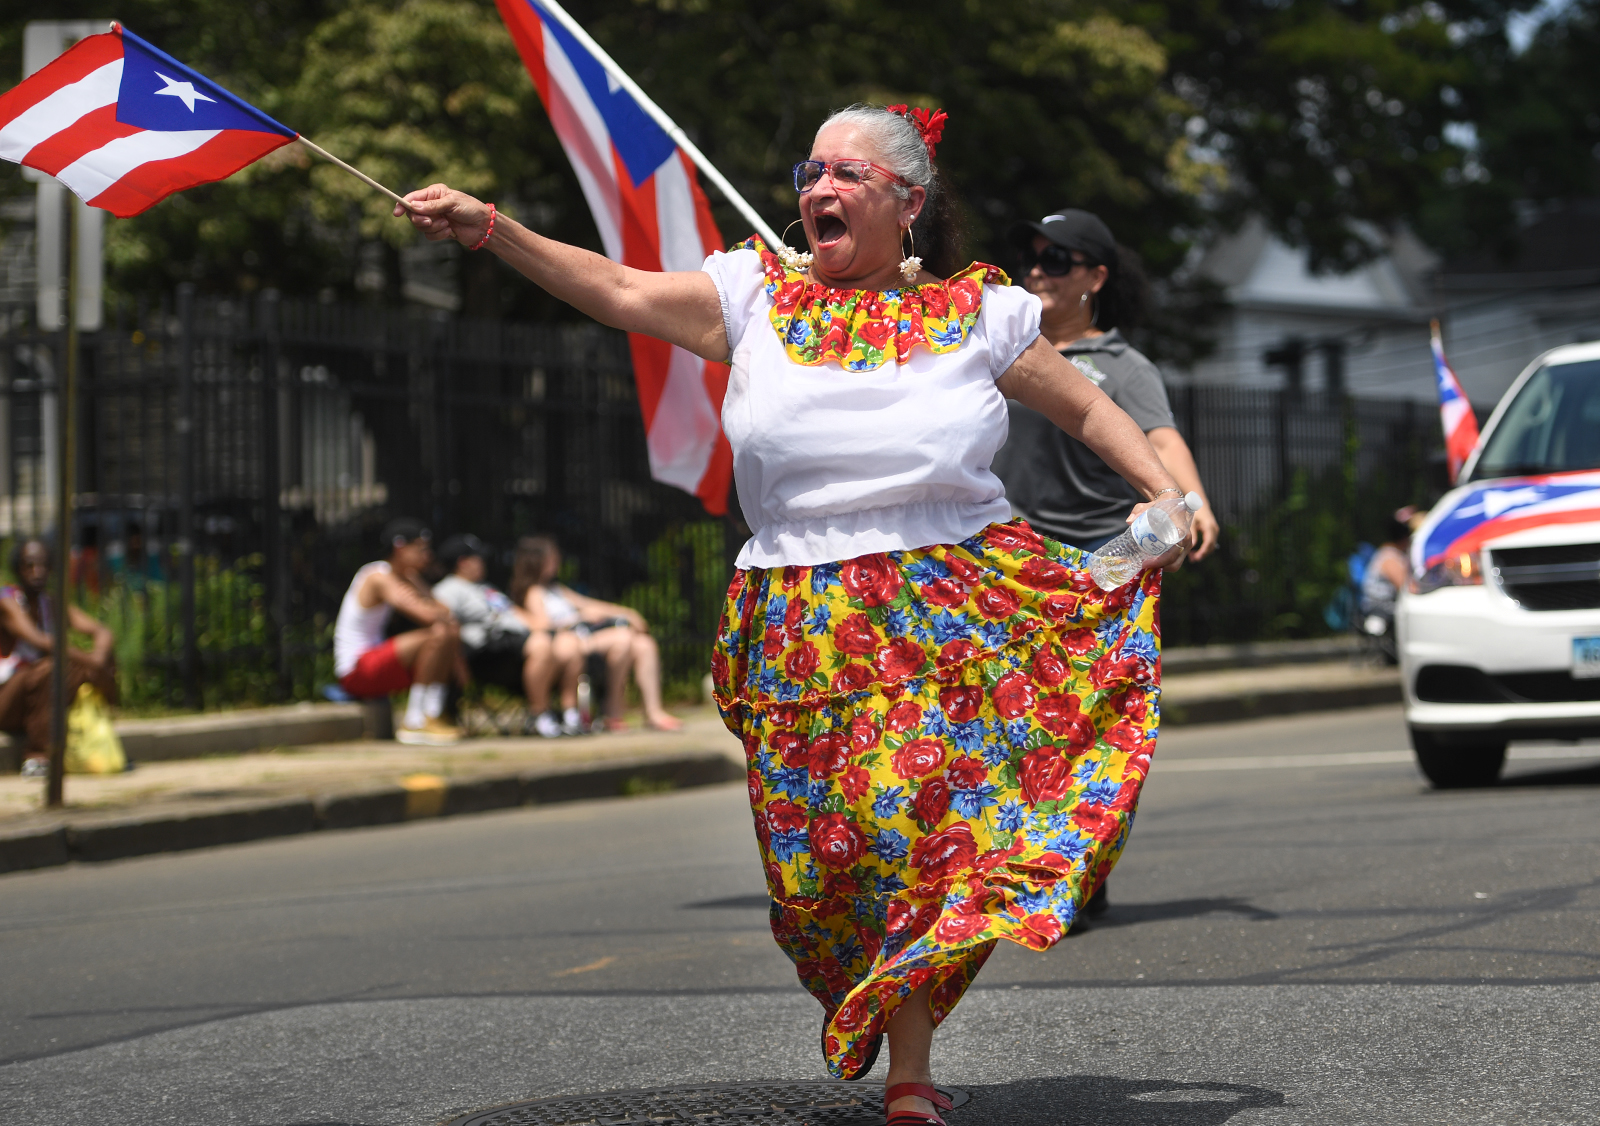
(831, 463)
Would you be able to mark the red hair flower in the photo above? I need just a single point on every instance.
(929, 123)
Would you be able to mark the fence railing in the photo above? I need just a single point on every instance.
(236, 458)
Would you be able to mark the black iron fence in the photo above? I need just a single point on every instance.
(236, 458)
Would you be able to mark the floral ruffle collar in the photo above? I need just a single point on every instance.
(861, 329)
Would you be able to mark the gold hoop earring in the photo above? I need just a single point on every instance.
(795, 261)
(911, 265)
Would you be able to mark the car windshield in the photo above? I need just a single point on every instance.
(1552, 426)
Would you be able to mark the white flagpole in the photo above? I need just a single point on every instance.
(661, 119)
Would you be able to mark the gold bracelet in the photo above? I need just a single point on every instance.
(1169, 489)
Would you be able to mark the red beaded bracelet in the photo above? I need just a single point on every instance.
(487, 233)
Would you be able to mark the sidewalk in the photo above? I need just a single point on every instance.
(183, 803)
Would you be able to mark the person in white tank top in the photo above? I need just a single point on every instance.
(369, 665)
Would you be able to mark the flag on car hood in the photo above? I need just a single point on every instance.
(1471, 516)
(646, 201)
(124, 124)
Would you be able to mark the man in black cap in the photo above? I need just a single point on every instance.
(500, 646)
(1090, 290)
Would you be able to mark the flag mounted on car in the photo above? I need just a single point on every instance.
(1455, 410)
(124, 124)
(646, 200)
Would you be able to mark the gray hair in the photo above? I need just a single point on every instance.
(899, 145)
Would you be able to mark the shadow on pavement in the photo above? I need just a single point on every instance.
(1579, 776)
(737, 901)
(1128, 914)
(1110, 1101)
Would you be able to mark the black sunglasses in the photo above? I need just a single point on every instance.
(1055, 261)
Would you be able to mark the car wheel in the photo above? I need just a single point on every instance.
(1456, 762)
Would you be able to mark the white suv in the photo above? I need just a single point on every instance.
(1499, 631)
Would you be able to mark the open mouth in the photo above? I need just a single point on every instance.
(830, 229)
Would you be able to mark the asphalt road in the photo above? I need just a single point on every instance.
(1301, 932)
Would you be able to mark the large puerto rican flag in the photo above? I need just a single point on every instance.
(124, 124)
(652, 215)
(1465, 520)
(1455, 410)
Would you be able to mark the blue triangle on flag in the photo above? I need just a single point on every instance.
(160, 93)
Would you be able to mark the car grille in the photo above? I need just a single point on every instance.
(1462, 684)
(1563, 577)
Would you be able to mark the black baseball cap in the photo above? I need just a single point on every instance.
(1072, 229)
(403, 530)
(457, 548)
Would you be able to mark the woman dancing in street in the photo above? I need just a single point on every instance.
(947, 723)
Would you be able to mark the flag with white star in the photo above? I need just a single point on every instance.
(124, 124)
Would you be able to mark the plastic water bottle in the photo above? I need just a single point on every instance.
(1156, 531)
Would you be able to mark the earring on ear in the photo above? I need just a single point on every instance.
(1083, 300)
(795, 261)
(911, 265)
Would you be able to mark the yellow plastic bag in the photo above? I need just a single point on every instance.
(93, 746)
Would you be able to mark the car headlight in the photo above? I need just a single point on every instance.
(1461, 569)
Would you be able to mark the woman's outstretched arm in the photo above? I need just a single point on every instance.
(1043, 380)
(682, 308)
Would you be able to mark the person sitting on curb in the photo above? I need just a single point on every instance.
(368, 666)
(619, 633)
(27, 624)
(502, 647)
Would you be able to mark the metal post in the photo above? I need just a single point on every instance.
(189, 659)
(275, 554)
(66, 457)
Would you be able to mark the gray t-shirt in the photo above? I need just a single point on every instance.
(484, 613)
(1058, 484)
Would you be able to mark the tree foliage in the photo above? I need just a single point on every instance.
(1171, 120)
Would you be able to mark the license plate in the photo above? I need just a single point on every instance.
(1585, 658)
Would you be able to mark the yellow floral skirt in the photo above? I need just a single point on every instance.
(946, 748)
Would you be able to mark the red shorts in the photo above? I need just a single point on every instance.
(378, 672)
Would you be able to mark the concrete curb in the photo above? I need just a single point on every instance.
(1288, 701)
(96, 837)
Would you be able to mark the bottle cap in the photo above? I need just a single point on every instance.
(1193, 501)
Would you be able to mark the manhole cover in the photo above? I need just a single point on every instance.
(819, 1103)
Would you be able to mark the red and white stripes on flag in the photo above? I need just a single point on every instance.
(124, 125)
(646, 200)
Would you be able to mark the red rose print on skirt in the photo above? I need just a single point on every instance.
(1045, 776)
(903, 717)
(968, 773)
(1048, 668)
(944, 853)
(864, 732)
(855, 783)
(836, 841)
(963, 569)
(857, 636)
(1042, 928)
(784, 816)
(961, 704)
(802, 661)
(1113, 668)
(932, 801)
(791, 748)
(1124, 736)
(1059, 714)
(958, 927)
(851, 678)
(853, 1014)
(830, 753)
(753, 783)
(901, 658)
(1097, 821)
(1013, 695)
(945, 592)
(918, 758)
(871, 578)
(1013, 537)
(1060, 607)
(997, 603)
(1039, 573)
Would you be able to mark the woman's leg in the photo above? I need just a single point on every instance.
(567, 653)
(647, 675)
(615, 644)
(910, 1033)
(538, 668)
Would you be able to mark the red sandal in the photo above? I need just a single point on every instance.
(914, 1117)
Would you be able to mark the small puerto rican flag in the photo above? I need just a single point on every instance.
(1455, 410)
(124, 124)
